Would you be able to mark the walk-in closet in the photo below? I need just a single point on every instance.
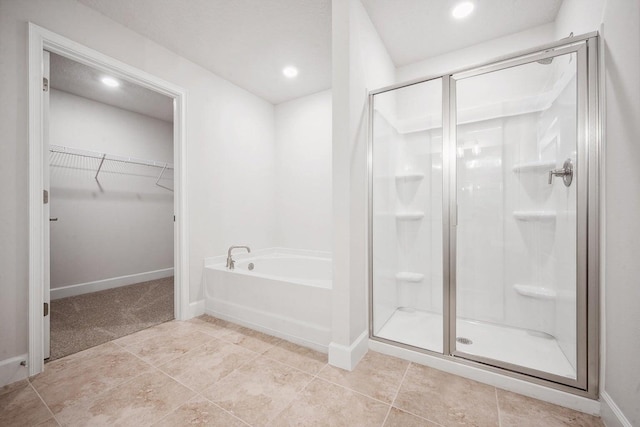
(111, 228)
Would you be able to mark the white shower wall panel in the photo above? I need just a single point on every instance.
(563, 250)
(420, 244)
(480, 231)
(526, 242)
(385, 263)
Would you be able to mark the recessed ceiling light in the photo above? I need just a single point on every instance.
(110, 81)
(462, 10)
(290, 72)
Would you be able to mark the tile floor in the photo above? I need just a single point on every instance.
(210, 372)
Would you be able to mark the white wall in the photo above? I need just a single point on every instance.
(580, 16)
(360, 63)
(620, 375)
(123, 223)
(303, 171)
(622, 204)
(230, 149)
(478, 53)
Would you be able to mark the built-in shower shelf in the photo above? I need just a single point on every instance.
(539, 216)
(409, 216)
(537, 166)
(409, 176)
(409, 277)
(538, 292)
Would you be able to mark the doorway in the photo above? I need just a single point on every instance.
(41, 40)
(483, 215)
(110, 183)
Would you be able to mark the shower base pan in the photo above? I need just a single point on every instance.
(518, 346)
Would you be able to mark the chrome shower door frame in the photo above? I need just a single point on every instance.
(580, 50)
(588, 147)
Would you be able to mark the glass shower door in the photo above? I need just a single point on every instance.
(406, 216)
(518, 186)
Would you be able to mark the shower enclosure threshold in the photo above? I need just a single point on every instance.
(423, 329)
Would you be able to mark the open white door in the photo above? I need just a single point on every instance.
(47, 211)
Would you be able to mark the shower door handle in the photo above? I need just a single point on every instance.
(566, 173)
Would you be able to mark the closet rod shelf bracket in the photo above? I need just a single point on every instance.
(100, 166)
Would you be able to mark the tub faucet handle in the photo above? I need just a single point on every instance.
(230, 260)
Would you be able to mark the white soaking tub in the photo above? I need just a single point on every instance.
(282, 292)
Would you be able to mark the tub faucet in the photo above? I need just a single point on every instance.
(230, 262)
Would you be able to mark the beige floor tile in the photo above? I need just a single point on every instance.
(162, 348)
(257, 391)
(13, 386)
(51, 422)
(398, 418)
(65, 383)
(447, 399)
(297, 356)
(522, 411)
(377, 375)
(142, 401)
(144, 334)
(250, 339)
(212, 325)
(325, 404)
(201, 367)
(83, 355)
(22, 407)
(199, 412)
(215, 321)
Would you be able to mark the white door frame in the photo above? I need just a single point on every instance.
(39, 40)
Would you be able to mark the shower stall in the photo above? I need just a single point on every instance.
(483, 215)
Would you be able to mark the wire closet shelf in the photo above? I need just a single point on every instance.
(102, 157)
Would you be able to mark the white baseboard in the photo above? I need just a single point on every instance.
(347, 357)
(11, 370)
(611, 414)
(196, 309)
(275, 332)
(115, 282)
(537, 391)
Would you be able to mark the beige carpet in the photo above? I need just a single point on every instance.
(84, 321)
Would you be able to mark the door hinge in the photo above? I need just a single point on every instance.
(46, 309)
(45, 196)
(174, 218)
(45, 84)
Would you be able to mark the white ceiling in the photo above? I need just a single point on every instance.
(71, 76)
(247, 42)
(413, 30)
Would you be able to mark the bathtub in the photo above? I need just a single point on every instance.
(282, 292)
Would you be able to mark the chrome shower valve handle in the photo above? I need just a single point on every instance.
(566, 173)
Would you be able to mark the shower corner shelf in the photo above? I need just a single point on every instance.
(409, 277)
(540, 216)
(537, 166)
(409, 176)
(409, 216)
(537, 292)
